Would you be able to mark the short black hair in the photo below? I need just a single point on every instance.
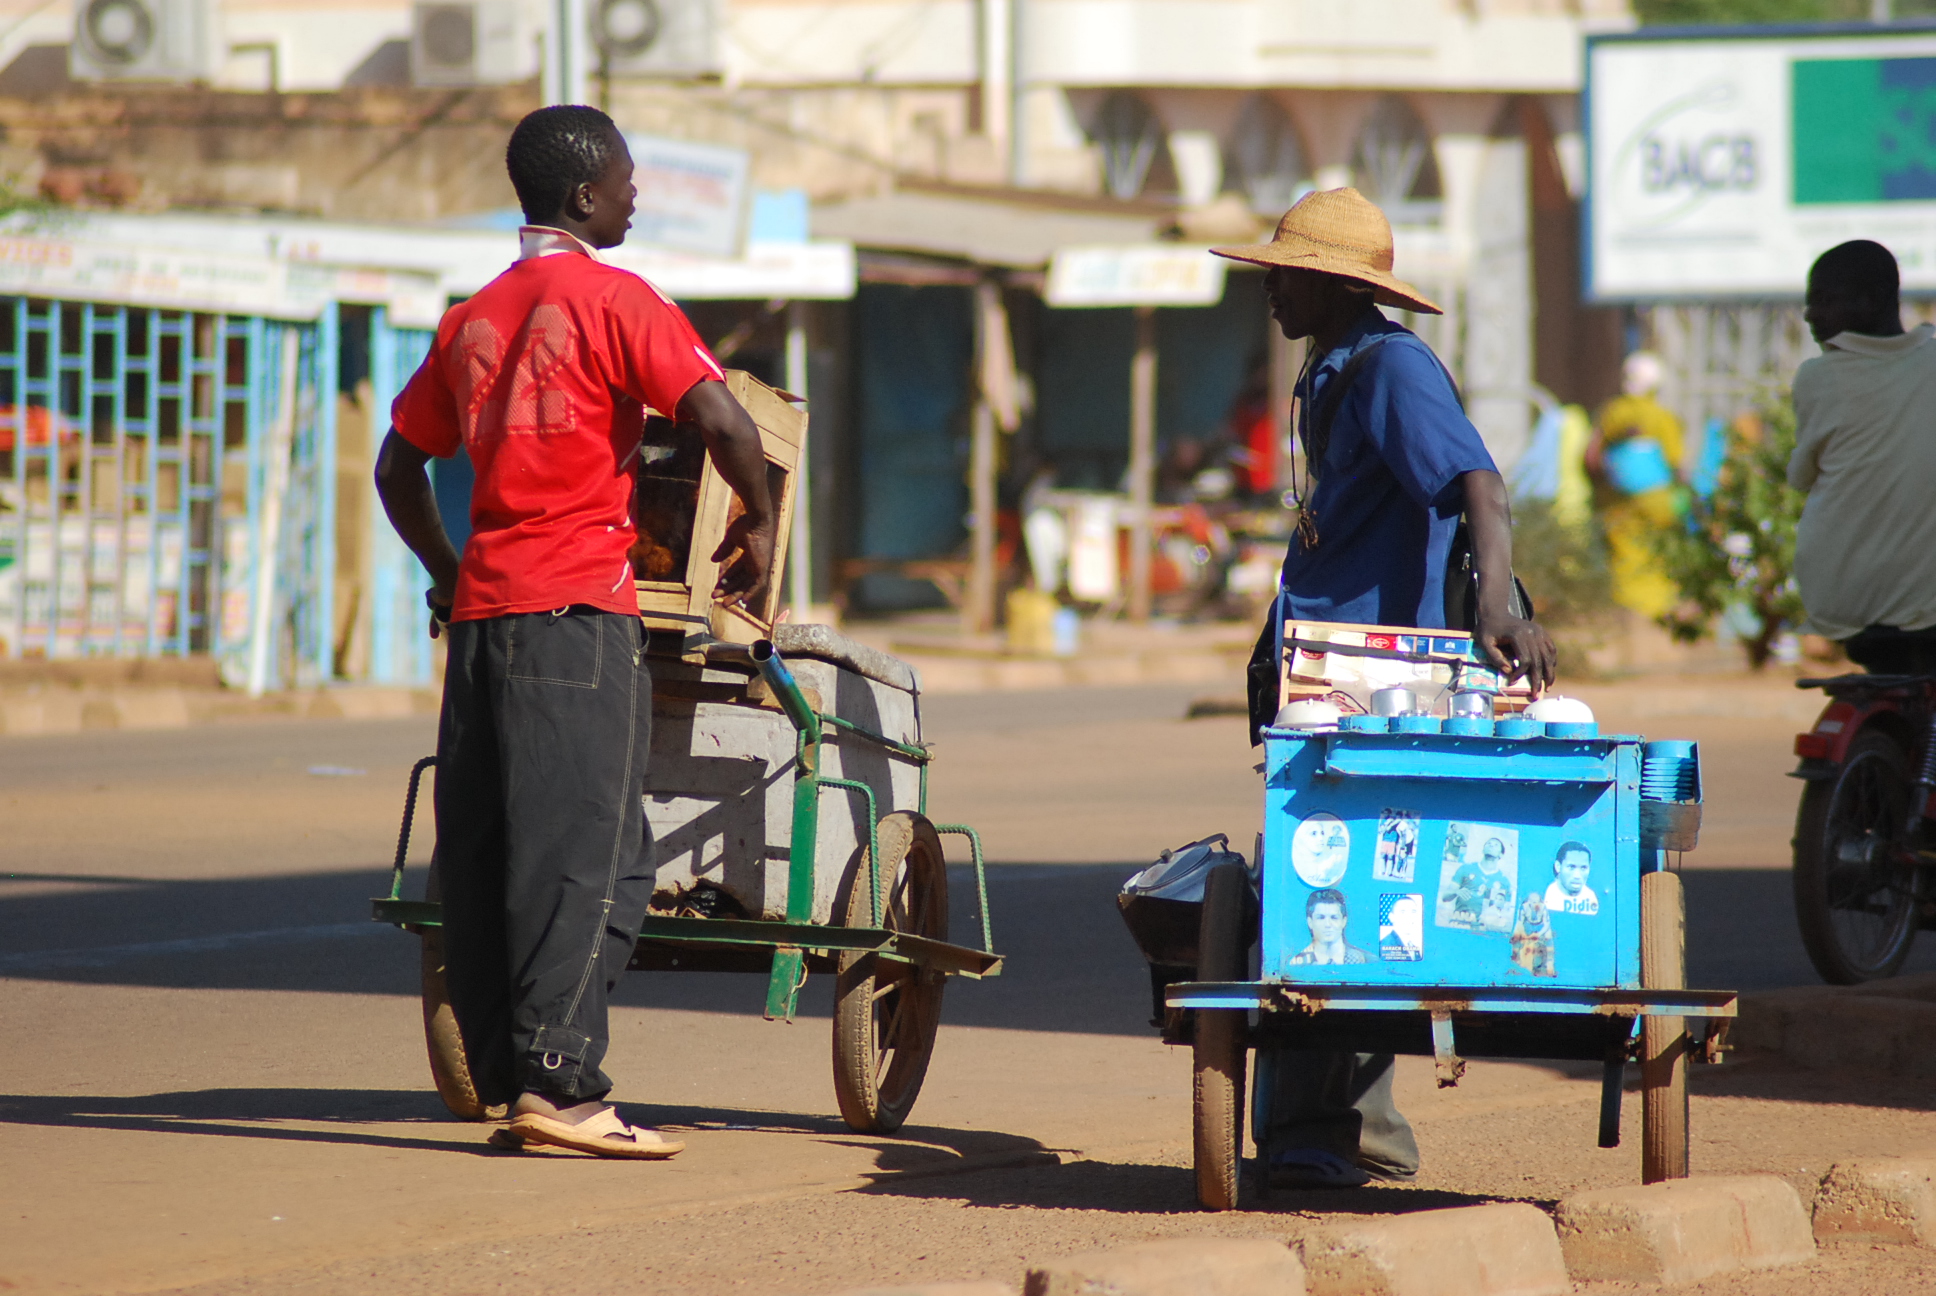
(1326, 895)
(1858, 268)
(553, 151)
(1570, 848)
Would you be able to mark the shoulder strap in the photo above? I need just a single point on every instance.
(1317, 424)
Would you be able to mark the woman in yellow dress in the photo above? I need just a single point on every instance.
(1635, 461)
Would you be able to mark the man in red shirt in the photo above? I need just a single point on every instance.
(543, 377)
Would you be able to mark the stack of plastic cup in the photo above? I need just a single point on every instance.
(1669, 771)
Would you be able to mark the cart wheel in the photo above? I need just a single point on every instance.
(448, 1066)
(886, 1014)
(1663, 1040)
(1855, 898)
(1223, 942)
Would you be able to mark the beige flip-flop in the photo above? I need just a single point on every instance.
(604, 1135)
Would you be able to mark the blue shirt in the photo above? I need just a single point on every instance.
(1388, 495)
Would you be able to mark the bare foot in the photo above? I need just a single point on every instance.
(531, 1103)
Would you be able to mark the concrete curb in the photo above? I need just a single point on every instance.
(1177, 1267)
(1685, 1229)
(1882, 1200)
(1507, 1249)
(1887, 1027)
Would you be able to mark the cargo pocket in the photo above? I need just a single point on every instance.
(556, 648)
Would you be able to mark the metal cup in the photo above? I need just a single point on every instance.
(1396, 701)
(1473, 704)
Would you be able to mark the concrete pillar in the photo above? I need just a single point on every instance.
(1142, 460)
(800, 542)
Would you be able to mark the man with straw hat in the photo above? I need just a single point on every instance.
(1392, 466)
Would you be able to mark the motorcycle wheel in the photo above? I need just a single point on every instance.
(1855, 892)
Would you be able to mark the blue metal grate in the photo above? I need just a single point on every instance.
(132, 479)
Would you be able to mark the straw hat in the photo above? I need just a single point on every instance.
(1340, 232)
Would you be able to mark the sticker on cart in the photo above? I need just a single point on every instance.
(1532, 937)
(1570, 892)
(1326, 912)
(1319, 849)
(1397, 857)
(1401, 927)
(1478, 877)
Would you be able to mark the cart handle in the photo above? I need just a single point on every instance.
(403, 830)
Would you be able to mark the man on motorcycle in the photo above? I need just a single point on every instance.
(1865, 451)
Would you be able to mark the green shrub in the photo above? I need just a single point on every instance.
(1738, 547)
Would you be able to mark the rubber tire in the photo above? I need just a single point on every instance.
(901, 1014)
(1663, 1040)
(445, 1043)
(1873, 753)
(1223, 948)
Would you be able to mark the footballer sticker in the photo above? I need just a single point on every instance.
(1397, 857)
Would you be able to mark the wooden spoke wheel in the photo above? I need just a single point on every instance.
(1855, 890)
(886, 1013)
(1223, 948)
(445, 1043)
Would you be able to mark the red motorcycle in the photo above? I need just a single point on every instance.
(1865, 870)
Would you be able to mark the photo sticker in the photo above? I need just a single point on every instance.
(1327, 914)
(1479, 878)
(1319, 848)
(1397, 858)
(1570, 892)
(1532, 937)
(1401, 927)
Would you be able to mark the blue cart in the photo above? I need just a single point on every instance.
(1499, 891)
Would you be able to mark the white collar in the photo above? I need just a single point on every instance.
(1869, 345)
(548, 240)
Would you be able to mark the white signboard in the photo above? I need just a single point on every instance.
(692, 197)
(149, 276)
(1723, 167)
(1149, 274)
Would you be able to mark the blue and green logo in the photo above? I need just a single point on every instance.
(1864, 130)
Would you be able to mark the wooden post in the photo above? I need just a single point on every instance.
(800, 542)
(1142, 460)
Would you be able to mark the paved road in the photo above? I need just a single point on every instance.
(210, 1046)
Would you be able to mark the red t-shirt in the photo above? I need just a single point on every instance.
(543, 377)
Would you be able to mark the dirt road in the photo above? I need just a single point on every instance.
(214, 1073)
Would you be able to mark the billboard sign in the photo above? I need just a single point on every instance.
(692, 197)
(1722, 165)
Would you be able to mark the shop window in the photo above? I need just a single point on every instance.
(1392, 164)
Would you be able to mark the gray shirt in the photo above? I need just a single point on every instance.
(1865, 451)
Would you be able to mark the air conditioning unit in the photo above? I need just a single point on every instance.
(468, 42)
(666, 38)
(144, 40)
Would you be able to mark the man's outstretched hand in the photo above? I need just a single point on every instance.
(744, 579)
(1517, 647)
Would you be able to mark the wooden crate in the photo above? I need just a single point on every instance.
(685, 506)
(1321, 657)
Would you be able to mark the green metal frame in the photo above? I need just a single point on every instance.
(797, 938)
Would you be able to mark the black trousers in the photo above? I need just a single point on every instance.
(541, 841)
